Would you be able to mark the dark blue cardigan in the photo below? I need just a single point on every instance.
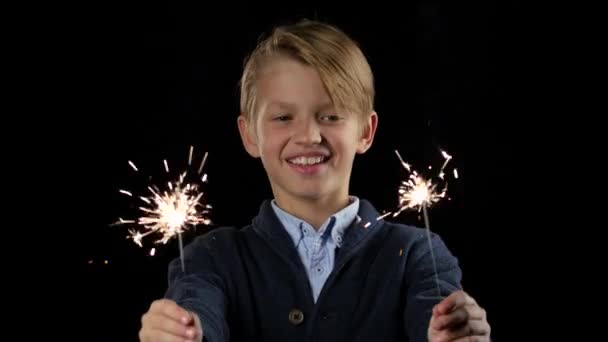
(250, 285)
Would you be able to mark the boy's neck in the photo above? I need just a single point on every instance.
(313, 211)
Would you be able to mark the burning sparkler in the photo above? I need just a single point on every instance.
(419, 193)
(170, 212)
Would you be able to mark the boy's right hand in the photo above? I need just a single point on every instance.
(167, 321)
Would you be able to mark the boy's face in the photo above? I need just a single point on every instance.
(305, 145)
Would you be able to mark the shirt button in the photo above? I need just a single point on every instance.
(320, 269)
(296, 316)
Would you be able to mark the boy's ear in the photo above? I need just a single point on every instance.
(367, 133)
(248, 136)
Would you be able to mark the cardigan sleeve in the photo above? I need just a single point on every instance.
(200, 289)
(421, 286)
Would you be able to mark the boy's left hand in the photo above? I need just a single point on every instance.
(458, 318)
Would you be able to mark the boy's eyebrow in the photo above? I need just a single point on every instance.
(287, 105)
(327, 106)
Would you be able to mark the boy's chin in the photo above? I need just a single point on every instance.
(309, 195)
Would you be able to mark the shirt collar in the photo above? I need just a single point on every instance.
(335, 225)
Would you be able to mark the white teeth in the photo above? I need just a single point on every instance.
(306, 161)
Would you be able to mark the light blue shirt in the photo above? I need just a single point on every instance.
(317, 249)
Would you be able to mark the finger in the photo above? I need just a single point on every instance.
(472, 339)
(170, 309)
(163, 323)
(197, 326)
(459, 316)
(454, 301)
(161, 336)
(471, 329)
(450, 320)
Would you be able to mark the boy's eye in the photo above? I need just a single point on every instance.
(282, 117)
(330, 117)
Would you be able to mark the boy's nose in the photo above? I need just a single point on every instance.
(308, 133)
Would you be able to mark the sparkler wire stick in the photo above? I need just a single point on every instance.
(181, 251)
(428, 236)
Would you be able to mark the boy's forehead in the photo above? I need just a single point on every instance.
(287, 84)
(285, 104)
(292, 93)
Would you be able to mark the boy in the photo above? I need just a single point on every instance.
(308, 268)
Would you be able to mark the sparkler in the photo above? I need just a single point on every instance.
(170, 212)
(419, 193)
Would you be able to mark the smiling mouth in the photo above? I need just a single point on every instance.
(308, 161)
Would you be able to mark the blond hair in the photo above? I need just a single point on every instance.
(341, 65)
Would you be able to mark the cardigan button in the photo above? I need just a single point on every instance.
(296, 316)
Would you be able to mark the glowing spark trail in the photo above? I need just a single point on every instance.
(133, 165)
(200, 169)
